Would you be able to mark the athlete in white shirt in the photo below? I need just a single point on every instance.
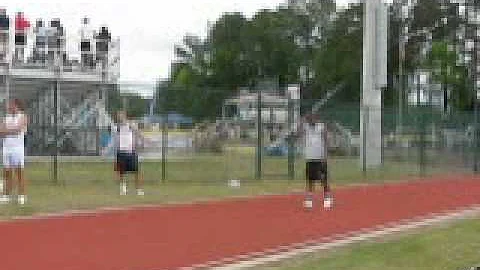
(316, 154)
(126, 138)
(13, 129)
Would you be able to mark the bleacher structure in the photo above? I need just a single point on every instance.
(65, 98)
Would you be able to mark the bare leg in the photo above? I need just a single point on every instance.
(310, 186)
(326, 188)
(8, 181)
(21, 181)
(138, 180)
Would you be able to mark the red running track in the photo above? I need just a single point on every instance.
(170, 237)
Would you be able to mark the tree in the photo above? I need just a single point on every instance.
(442, 61)
(340, 59)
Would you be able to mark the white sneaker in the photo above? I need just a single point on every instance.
(328, 203)
(308, 203)
(22, 199)
(140, 192)
(4, 199)
(123, 189)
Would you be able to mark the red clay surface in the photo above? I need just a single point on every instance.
(176, 236)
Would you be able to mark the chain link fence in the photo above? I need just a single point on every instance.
(239, 144)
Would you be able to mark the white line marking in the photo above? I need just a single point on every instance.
(336, 241)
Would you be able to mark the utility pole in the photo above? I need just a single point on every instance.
(374, 78)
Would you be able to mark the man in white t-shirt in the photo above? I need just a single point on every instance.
(316, 154)
(125, 140)
(86, 48)
(13, 130)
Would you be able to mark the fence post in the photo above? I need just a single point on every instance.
(422, 145)
(475, 138)
(55, 124)
(258, 171)
(365, 112)
(164, 137)
(290, 138)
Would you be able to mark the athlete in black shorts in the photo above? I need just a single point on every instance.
(315, 135)
(126, 139)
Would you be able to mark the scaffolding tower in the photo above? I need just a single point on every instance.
(65, 99)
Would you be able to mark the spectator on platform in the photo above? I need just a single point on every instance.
(86, 48)
(56, 43)
(4, 34)
(21, 29)
(40, 48)
(102, 42)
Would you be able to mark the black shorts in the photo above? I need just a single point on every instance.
(126, 162)
(85, 46)
(20, 39)
(317, 170)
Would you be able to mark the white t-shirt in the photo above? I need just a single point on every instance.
(315, 148)
(125, 138)
(86, 33)
(14, 142)
(42, 32)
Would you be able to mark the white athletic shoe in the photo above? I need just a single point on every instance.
(140, 192)
(123, 189)
(308, 204)
(328, 202)
(4, 199)
(22, 199)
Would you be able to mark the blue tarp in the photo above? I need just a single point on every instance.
(173, 118)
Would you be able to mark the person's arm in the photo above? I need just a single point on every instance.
(300, 132)
(138, 136)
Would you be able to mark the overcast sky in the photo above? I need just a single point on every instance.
(148, 30)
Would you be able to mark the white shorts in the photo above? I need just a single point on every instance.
(13, 159)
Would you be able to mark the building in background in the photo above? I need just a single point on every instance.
(422, 91)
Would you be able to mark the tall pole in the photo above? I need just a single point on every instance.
(258, 174)
(400, 83)
(291, 155)
(475, 71)
(374, 77)
(164, 134)
(55, 122)
(258, 171)
(401, 60)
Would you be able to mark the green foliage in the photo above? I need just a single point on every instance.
(239, 50)
(442, 61)
(136, 106)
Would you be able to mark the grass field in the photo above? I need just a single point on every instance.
(453, 246)
(85, 185)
